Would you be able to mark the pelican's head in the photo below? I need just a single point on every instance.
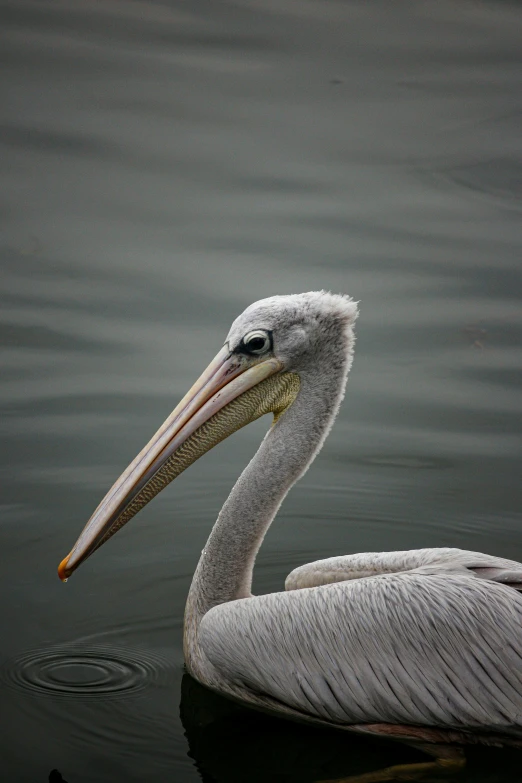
(271, 347)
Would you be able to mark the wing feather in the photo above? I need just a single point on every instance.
(424, 647)
(444, 559)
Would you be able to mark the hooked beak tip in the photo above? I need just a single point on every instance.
(62, 569)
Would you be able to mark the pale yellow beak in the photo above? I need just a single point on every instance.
(184, 437)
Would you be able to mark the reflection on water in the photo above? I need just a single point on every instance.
(165, 164)
(229, 742)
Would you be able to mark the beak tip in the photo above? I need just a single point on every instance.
(62, 569)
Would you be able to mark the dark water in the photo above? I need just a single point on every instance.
(163, 165)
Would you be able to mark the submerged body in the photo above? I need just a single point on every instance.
(427, 638)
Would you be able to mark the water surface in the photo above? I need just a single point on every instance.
(164, 165)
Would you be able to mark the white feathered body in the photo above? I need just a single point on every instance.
(425, 637)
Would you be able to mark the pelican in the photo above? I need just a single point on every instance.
(422, 645)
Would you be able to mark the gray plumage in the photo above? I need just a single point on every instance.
(430, 637)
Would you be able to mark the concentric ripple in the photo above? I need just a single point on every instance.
(84, 672)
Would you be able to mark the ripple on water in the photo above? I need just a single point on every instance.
(85, 672)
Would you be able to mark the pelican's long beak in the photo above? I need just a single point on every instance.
(234, 390)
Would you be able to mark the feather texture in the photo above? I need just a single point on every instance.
(346, 567)
(433, 646)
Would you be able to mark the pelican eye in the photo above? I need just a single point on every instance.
(257, 342)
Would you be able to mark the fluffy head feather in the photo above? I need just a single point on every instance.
(307, 329)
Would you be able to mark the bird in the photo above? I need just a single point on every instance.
(422, 645)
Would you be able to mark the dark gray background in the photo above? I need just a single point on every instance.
(163, 165)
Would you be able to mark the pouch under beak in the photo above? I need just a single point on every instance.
(233, 390)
